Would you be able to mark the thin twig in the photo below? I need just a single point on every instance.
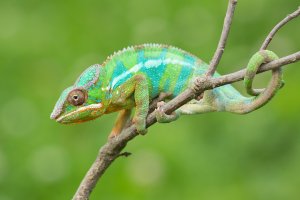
(278, 26)
(125, 154)
(239, 75)
(222, 42)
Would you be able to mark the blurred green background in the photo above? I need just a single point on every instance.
(45, 45)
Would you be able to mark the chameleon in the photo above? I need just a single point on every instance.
(133, 77)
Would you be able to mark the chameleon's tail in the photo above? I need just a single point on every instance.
(227, 98)
(240, 104)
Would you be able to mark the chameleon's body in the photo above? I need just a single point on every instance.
(136, 75)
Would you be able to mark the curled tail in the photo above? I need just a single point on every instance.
(260, 96)
(227, 98)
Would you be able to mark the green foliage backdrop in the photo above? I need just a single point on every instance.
(45, 45)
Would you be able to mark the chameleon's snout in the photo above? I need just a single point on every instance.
(78, 115)
(54, 115)
(56, 112)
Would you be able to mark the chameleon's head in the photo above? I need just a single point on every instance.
(83, 101)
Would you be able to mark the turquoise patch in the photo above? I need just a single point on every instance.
(190, 59)
(141, 57)
(118, 71)
(154, 73)
(69, 108)
(184, 75)
(88, 77)
(167, 85)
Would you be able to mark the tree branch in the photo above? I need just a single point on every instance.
(222, 42)
(112, 149)
(278, 26)
(239, 75)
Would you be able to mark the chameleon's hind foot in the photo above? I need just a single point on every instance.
(121, 122)
(142, 131)
(199, 83)
(113, 134)
(162, 117)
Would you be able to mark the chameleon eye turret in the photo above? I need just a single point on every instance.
(77, 97)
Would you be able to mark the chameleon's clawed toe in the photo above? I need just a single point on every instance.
(140, 125)
(161, 116)
(142, 131)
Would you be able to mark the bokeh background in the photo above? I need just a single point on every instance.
(45, 45)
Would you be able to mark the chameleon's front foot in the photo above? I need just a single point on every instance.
(140, 124)
(162, 117)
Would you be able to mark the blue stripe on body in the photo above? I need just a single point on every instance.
(120, 69)
(190, 59)
(154, 73)
(167, 85)
(185, 73)
(141, 56)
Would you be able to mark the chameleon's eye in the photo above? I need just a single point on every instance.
(77, 97)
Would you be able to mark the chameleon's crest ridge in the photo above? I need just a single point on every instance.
(88, 77)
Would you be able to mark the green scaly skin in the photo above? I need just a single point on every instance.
(134, 76)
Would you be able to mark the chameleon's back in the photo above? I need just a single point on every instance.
(167, 69)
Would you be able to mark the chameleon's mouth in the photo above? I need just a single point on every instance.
(81, 114)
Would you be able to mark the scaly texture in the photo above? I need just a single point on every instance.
(135, 75)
